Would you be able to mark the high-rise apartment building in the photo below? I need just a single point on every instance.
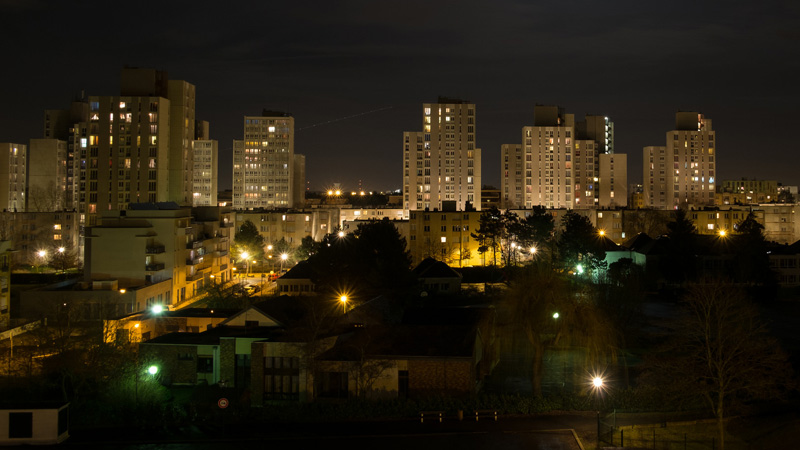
(47, 175)
(683, 172)
(205, 172)
(264, 163)
(60, 124)
(136, 147)
(13, 176)
(561, 163)
(441, 164)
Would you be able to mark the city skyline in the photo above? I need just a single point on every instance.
(377, 63)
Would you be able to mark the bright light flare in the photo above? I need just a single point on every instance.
(157, 309)
(152, 370)
(597, 382)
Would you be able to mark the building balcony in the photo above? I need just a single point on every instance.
(194, 277)
(194, 261)
(155, 250)
(194, 245)
(154, 267)
(221, 253)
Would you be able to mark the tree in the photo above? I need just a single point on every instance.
(579, 244)
(722, 352)
(63, 258)
(528, 307)
(535, 230)
(509, 221)
(679, 264)
(373, 259)
(750, 252)
(45, 198)
(283, 247)
(785, 196)
(488, 234)
(248, 239)
(306, 249)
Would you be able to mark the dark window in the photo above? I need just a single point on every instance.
(205, 364)
(281, 378)
(402, 383)
(332, 385)
(20, 425)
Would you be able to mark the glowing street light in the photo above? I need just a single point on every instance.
(341, 234)
(152, 370)
(533, 250)
(61, 249)
(555, 315)
(157, 309)
(597, 382)
(722, 233)
(343, 299)
(601, 232)
(284, 257)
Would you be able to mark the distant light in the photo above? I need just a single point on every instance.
(597, 382)
(330, 192)
(602, 232)
(284, 256)
(136, 326)
(343, 299)
(341, 234)
(157, 309)
(61, 249)
(338, 192)
(722, 233)
(579, 268)
(555, 315)
(42, 253)
(122, 291)
(245, 255)
(533, 250)
(152, 370)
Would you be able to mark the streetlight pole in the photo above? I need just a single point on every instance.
(343, 299)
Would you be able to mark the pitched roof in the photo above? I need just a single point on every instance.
(431, 268)
(637, 242)
(301, 271)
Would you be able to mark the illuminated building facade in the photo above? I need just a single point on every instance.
(441, 164)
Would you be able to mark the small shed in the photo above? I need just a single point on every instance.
(34, 423)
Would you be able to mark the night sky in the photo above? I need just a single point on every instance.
(638, 62)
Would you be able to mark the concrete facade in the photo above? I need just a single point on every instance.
(205, 169)
(442, 163)
(13, 176)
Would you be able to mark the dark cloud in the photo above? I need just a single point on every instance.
(637, 62)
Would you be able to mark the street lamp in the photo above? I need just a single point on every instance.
(152, 370)
(722, 233)
(157, 309)
(555, 315)
(341, 234)
(343, 299)
(246, 255)
(284, 257)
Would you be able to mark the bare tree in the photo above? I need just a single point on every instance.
(45, 198)
(722, 352)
